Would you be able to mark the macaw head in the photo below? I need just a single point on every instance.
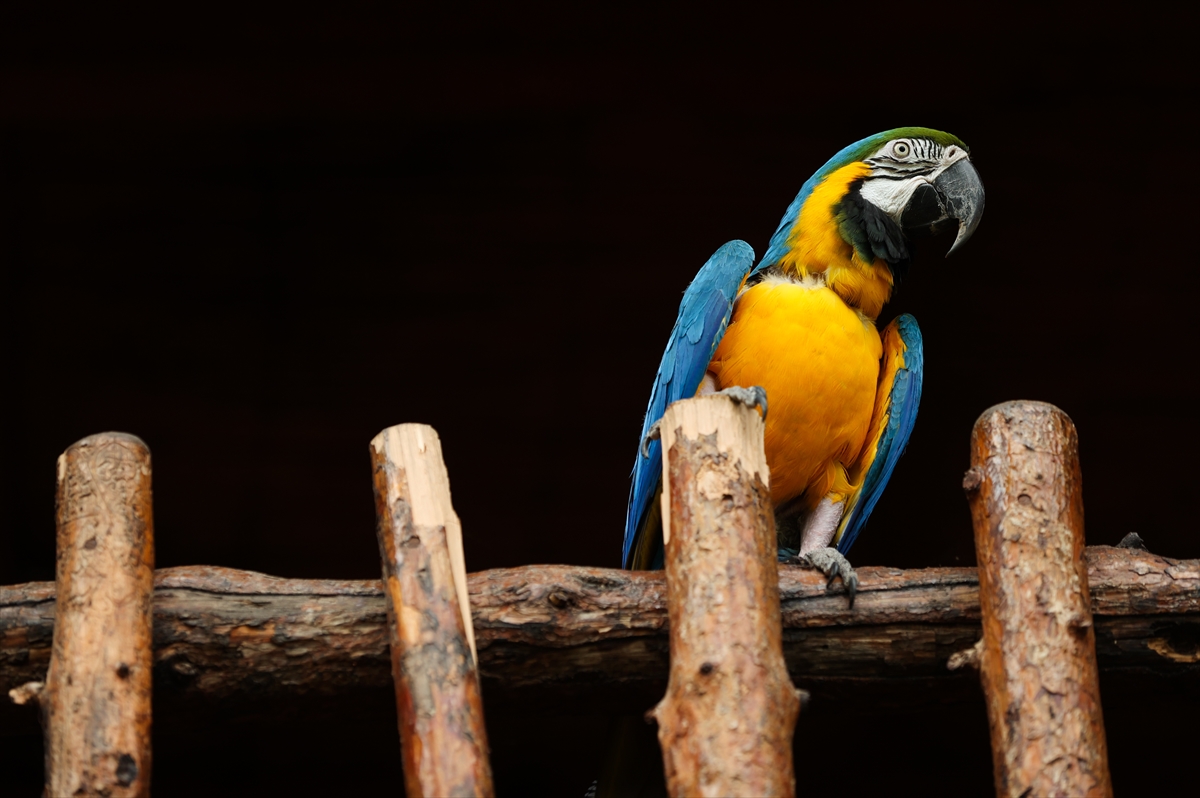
(869, 201)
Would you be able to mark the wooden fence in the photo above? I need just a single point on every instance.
(728, 629)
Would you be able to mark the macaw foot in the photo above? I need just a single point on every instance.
(652, 434)
(830, 562)
(754, 396)
(1133, 541)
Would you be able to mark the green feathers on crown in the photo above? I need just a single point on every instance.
(869, 145)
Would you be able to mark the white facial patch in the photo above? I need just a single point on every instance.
(890, 196)
(902, 166)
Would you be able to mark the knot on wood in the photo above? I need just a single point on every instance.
(968, 658)
(1133, 541)
(1181, 645)
(127, 770)
(28, 693)
(175, 670)
(1078, 621)
(972, 479)
(559, 599)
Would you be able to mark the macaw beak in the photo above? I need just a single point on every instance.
(956, 193)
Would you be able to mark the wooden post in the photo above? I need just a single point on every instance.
(96, 703)
(727, 720)
(442, 735)
(1038, 659)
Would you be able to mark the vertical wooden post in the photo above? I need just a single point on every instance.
(96, 703)
(727, 720)
(442, 735)
(1038, 657)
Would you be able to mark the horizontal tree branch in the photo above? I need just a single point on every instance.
(220, 632)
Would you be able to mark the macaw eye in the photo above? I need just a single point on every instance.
(901, 149)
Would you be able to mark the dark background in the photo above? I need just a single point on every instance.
(256, 238)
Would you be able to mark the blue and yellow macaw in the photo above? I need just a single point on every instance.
(801, 325)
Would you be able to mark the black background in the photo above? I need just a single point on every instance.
(256, 238)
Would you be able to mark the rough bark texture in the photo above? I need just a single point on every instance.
(442, 733)
(96, 703)
(562, 631)
(726, 723)
(1038, 658)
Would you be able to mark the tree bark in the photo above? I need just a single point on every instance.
(565, 632)
(726, 723)
(96, 702)
(1038, 656)
(442, 733)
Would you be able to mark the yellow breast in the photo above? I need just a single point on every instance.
(818, 360)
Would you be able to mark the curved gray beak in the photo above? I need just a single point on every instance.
(954, 195)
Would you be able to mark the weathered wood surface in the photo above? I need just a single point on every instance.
(96, 701)
(443, 739)
(221, 633)
(726, 722)
(1037, 660)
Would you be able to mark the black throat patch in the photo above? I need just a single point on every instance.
(871, 232)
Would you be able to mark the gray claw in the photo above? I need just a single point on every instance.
(652, 434)
(754, 396)
(830, 562)
(1133, 541)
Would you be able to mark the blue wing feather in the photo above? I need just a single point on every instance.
(902, 416)
(703, 316)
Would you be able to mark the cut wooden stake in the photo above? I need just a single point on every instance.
(96, 702)
(727, 720)
(1038, 660)
(442, 734)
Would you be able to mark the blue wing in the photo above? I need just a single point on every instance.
(703, 315)
(899, 389)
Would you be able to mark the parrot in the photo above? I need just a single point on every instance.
(796, 334)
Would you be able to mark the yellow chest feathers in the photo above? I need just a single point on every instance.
(816, 246)
(818, 360)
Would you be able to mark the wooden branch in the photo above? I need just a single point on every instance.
(96, 703)
(726, 722)
(1038, 657)
(442, 733)
(554, 630)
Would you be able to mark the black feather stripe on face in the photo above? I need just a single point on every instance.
(871, 232)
